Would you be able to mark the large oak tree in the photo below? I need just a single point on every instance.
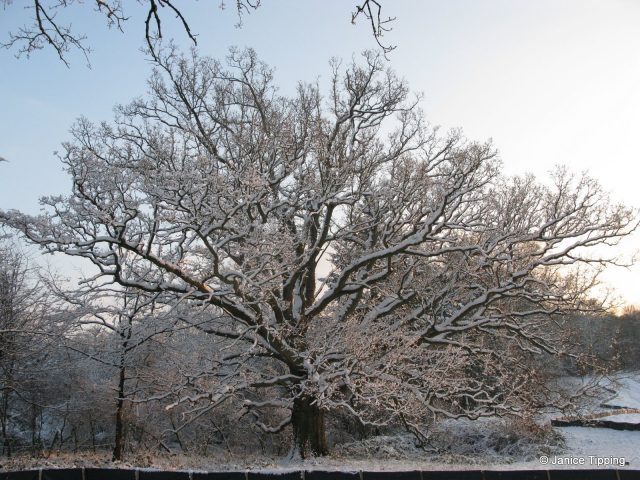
(347, 255)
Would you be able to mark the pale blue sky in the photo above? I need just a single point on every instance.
(551, 81)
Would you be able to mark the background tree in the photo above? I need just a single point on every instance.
(348, 256)
(30, 327)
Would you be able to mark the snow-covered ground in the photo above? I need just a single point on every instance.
(627, 388)
(623, 418)
(590, 444)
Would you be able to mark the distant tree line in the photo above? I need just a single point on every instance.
(611, 340)
(99, 375)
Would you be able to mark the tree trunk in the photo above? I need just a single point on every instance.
(4, 420)
(119, 440)
(34, 428)
(118, 448)
(308, 428)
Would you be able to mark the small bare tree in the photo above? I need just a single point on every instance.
(349, 256)
(113, 326)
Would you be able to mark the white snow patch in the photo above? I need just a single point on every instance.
(627, 388)
(623, 418)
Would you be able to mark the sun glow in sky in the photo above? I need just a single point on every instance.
(550, 82)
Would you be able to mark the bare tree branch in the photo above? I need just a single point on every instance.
(48, 30)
